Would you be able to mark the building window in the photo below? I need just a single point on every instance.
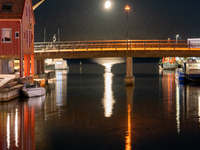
(7, 7)
(6, 35)
(17, 34)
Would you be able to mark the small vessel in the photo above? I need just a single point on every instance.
(33, 90)
(190, 71)
(58, 64)
(168, 63)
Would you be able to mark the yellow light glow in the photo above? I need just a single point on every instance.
(107, 4)
(127, 8)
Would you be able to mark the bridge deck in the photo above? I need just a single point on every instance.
(130, 48)
(115, 48)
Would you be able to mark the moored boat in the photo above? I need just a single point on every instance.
(58, 64)
(168, 63)
(33, 90)
(190, 71)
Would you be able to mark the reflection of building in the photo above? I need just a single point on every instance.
(168, 87)
(17, 127)
(57, 90)
(192, 98)
(171, 100)
(187, 102)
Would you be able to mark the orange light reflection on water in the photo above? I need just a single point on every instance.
(128, 133)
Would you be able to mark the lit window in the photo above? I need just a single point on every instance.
(7, 7)
(17, 35)
(6, 35)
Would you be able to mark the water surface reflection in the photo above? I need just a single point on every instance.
(18, 123)
(108, 99)
(96, 111)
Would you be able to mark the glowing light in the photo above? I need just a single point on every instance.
(127, 8)
(107, 4)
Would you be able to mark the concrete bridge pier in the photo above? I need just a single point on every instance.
(129, 79)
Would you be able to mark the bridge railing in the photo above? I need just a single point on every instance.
(113, 45)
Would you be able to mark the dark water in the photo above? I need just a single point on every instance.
(89, 107)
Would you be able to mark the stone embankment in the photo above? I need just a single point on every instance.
(10, 87)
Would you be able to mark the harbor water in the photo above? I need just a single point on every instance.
(88, 107)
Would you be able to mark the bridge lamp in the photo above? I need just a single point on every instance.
(127, 8)
(177, 37)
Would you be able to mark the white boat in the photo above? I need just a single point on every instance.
(33, 90)
(168, 63)
(190, 71)
(59, 64)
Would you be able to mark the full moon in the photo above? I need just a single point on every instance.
(107, 4)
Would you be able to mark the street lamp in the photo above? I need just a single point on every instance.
(127, 8)
(177, 37)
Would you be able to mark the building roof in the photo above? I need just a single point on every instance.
(16, 8)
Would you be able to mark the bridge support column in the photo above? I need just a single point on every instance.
(129, 79)
(40, 66)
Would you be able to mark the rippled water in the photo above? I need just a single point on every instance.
(88, 107)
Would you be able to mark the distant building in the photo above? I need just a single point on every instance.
(193, 42)
(17, 34)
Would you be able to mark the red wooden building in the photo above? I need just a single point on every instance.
(17, 32)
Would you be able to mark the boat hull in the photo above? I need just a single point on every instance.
(183, 77)
(169, 66)
(34, 92)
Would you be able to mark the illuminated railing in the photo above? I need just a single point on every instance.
(115, 45)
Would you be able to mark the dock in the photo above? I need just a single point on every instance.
(11, 85)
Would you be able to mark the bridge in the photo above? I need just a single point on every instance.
(116, 48)
(109, 48)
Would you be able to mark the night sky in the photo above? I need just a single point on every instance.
(89, 20)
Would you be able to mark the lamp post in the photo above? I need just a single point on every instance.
(129, 79)
(127, 8)
(177, 37)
